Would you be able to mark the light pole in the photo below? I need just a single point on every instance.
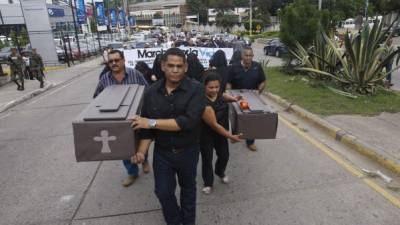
(251, 17)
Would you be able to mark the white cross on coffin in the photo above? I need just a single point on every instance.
(105, 139)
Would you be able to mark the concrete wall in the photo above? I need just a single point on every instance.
(39, 30)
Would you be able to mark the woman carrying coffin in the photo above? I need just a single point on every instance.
(214, 133)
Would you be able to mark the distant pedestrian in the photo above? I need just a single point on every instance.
(219, 64)
(157, 71)
(195, 68)
(247, 74)
(142, 67)
(214, 133)
(119, 75)
(388, 67)
(37, 67)
(171, 115)
(16, 68)
(236, 57)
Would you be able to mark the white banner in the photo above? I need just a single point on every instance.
(149, 54)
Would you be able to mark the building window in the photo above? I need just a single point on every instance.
(10, 1)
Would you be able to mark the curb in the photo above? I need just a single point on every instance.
(339, 134)
(32, 94)
(26, 97)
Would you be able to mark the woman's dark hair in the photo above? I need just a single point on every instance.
(236, 57)
(218, 59)
(211, 76)
(143, 68)
(157, 67)
(195, 68)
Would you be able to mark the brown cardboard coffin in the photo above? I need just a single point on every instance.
(102, 131)
(257, 122)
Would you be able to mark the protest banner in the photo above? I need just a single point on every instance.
(148, 55)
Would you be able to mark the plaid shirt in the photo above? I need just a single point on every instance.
(132, 76)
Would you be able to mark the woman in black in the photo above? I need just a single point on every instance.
(195, 68)
(146, 71)
(215, 133)
(157, 72)
(219, 64)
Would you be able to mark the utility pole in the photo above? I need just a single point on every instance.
(251, 17)
(76, 29)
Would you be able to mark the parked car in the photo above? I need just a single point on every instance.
(116, 45)
(4, 53)
(60, 54)
(396, 31)
(275, 47)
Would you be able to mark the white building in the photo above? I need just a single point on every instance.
(239, 11)
(172, 11)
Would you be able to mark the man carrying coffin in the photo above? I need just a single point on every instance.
(247, 74)
(118, 74)
(171, 115)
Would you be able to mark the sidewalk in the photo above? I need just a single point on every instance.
(10, 96)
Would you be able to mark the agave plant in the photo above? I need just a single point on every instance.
(320, 56)
(361, 63)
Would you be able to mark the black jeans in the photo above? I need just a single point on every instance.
(207, 146)
(167, 165)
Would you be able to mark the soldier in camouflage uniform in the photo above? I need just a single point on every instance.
(36, 66)
(16, 68)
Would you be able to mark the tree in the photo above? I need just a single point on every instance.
(157, 15)
(386, 6)
(198, 7)
(24, 37)
(300, 22)
(221, 5)
(13, 36)
(226, 20)
(93, 25)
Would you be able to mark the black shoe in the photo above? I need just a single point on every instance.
(41, 85)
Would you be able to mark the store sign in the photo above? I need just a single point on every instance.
(55, 12)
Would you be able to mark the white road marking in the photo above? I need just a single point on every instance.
(66, 198)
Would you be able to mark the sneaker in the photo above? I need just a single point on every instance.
(146, 167)
(252, 147)
(206, 190)
(225, 180)
(129, 181)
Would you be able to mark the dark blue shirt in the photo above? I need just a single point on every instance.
(132, 76)
(240, 78)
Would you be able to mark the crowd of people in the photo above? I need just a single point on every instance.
(185, 113)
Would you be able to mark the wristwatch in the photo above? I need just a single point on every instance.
(152, 123)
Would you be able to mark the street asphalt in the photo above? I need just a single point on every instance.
(288, 181)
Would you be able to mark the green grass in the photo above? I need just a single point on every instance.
(267, 34)
(320, 100)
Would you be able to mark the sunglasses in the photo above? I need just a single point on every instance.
(111, 61)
